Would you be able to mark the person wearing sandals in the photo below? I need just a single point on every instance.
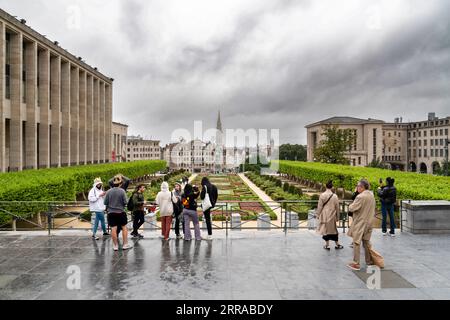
(328, 216)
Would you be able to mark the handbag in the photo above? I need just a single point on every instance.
(377, 258)
(206, 203)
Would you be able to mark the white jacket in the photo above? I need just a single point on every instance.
(95, 201)
(164, 201)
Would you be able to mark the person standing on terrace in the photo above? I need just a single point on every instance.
(190, 212)
(328, 214)
(97, 207)
(211, 190)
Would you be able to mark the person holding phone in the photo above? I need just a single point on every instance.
(97, 207)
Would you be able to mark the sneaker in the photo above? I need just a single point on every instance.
(134, 236)
(161, 237)
(392, 235)
(384, 233)
(209, 238)
(168, 239)
(116, 248)
(179, 236)
(127, 246)
(95, 237)
(187, 239)
(106, 234)
(200, 239)
(140, 236)
(354, 266)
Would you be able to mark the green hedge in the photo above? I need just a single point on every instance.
(62, 184)
(409, 185)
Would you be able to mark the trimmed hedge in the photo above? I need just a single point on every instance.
(62, 184)
(409, 185)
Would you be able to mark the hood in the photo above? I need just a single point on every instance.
(164, 186)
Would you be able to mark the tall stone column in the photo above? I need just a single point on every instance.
(65, 113)
(108, 125)
(96, 127)
(2, 95)
(102, 135)
(90, 119)
(55, 106)
(44, 104)
(74, 115)
(82, 117)
(16, 145)
(31, 139)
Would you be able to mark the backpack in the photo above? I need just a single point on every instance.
(176, 206)
(130, 204)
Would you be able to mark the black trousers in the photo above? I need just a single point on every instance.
(207, 215)
(138, 220)
(332, 237)
(178, 220)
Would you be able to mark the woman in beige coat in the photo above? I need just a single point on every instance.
(328, 216)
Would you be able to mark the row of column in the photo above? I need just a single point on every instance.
(67, 116)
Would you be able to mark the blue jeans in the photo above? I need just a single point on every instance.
(99, 216)
(385, 209)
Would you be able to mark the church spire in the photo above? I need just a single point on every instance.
(219, 123)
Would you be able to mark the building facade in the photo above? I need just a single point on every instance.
(140, 149)
(119, 142)
(414, 146)
(56, 110)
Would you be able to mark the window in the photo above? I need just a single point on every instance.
(446, 132)
(442, 152)
(425, 133)
(420, 143)
(414, 134)
(432, 152)
(436, 132)
(441, 132)
(431, 133)
(389, 134)
(432, 142)
(425, 153)
(399, 134)
(399, 149)
(8, 67)
(420, 133)
(420, 152)
(441, 142)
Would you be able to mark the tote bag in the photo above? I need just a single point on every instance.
(206, 203)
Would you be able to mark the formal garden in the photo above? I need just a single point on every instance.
(234, 196)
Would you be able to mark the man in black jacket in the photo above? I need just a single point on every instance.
(388, 198)
(208, 187)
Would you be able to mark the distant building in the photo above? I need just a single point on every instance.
(139, 148)
(415, 146)
(119, 142)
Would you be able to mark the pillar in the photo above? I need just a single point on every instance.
(44, 105)
(101, 123)
(2, 97)
(82, 117)
(90, 119)
(96, 118)
(65, 113)
(15, 161)
(108, 125)
(55, 108)
(74, 114)
(31, 138)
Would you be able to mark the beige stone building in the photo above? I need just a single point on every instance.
(416, 146)
(56, 109)
(139, 148)
(119, 142)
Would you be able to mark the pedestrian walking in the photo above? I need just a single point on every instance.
(363, 209)
(96, 206)
(138, 201)
(165, 200)
(208, 191)
(115, 202)
(328, 215)
(190, 195)
(388, 198)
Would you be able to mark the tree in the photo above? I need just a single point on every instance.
(332, 149)
(293, 152)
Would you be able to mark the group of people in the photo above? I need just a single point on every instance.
(363, 211)
(179, 204)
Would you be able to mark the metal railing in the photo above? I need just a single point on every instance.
(283, 215)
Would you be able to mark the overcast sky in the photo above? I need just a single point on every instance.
(264, 64)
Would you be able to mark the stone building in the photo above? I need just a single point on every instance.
(414, 146)
(139, 148)
(119, 142)
(56, 109)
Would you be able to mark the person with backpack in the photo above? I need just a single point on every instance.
(165, 199)
(388, 198)
(115, 202)
(190, 195)
(178, 209)
(97, 207)
(136, 206)
(328, 215)
(208, 191)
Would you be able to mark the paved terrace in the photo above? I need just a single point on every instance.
(246, 265)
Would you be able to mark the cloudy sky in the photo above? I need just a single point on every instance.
(263, 63)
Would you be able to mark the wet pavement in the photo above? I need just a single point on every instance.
(244, 265)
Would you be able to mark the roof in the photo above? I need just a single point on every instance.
(344, 120)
